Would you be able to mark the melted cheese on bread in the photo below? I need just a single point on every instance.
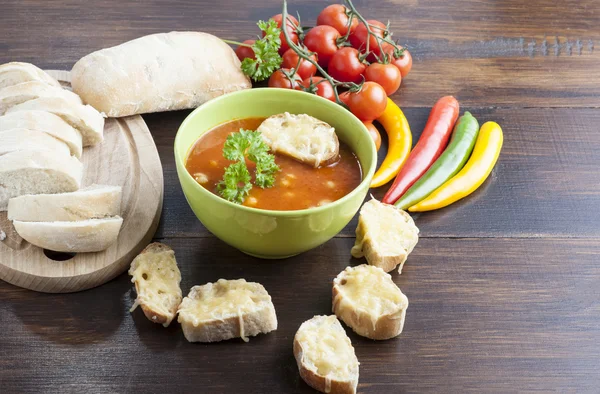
(302, 137)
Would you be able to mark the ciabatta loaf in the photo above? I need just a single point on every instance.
(84, 118)
(226, 309)
(92, 235)
(156, 277)
(16, 72)
(385, 235)
(367, 300)
(25, 91)
(159, 72)
(325, 356)
(35, 172)
(25, 139)
(45, 122)
(302, 137)
(93, 202)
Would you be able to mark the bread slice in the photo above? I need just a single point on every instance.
(92, 235)
(93, 202)
(36, 172)
(367, 300)
(84, 118)
(226, 309)
(45, 122)
(156, 278)
(24, 139)
(302, 137)
(325, 356)
(25, 91)
(385, 235)
(16, 72)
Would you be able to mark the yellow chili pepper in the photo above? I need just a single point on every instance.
(400, 143)
(474, 173)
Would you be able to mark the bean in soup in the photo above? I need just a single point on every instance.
(297, 186)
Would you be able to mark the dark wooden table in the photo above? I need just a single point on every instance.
(504, 287)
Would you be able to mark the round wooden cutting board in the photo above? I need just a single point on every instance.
(128, 158)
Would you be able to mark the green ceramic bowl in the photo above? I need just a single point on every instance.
(264, 233)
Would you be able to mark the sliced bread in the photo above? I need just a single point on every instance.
(25, 91)
(325, 356)
(226, 309)
(92, 235)
(93, 202)
(302, 137)
(24, 139)
(385, 235)
(156, 278)
(36, 172)
(16, 72)
(84, 118)
(45, 122)
(367, 300)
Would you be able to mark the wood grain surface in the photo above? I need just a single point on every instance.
(504, 287)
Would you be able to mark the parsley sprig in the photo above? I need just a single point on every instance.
(266, 53)
(236, 183)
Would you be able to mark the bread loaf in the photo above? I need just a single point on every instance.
(45, 122)
(35, 172)
(93, 202)
(84, 118)
(24, 139)
(16, 72)
(159, 72)
(25, 91)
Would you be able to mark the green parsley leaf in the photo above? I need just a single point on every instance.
(266, 51)
(239, 146)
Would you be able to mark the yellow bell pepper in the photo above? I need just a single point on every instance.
(474, 173)
(399, 144)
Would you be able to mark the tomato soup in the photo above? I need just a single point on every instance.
(297, 185)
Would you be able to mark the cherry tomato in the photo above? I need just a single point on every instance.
(279, 80)
(323, 87)
(306, 69)
(243, 52)
(335, 16)
(292, 24)
(358, 39)
(345, 65)
(369, 103)
(345, 98)
(404, 62)
(374, 134)
(323, 41)
(387, 75)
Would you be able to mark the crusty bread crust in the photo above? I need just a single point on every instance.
(158, 72)
(261, 320)
(154, 315)
(17, 72)
(365, 323)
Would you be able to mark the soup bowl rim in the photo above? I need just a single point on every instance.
(270, 212)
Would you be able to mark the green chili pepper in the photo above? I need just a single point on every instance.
(447, 165)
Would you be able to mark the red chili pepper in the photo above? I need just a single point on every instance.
(430, 146)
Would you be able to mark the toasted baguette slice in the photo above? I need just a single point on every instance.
(302, 137)
(45, 122)
(367, 300)
(84, 118)
(15, 72)
(156, 277)
(36, 172)
(93, 202)
(92, 235)
(24, 139)
(385, 235)
(325, 356)
(226, 309)
(25, 91)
